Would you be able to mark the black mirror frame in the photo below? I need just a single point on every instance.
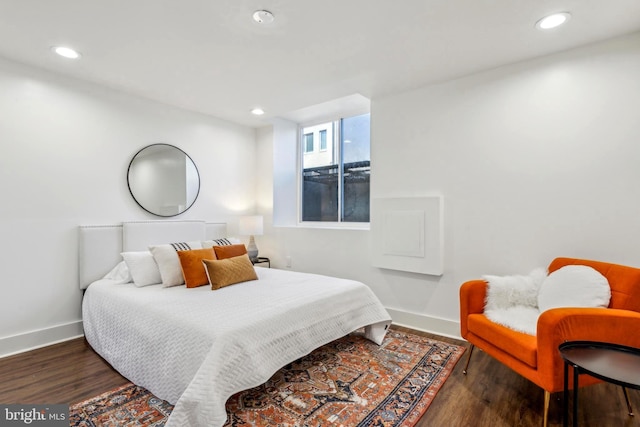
(187, 156)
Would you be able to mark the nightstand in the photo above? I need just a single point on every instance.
(262, 260)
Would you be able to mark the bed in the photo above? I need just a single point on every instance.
(196, 347)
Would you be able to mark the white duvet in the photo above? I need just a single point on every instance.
(196, 347)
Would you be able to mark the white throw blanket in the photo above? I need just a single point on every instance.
(196, 347)
(517, 301)
(512, 301)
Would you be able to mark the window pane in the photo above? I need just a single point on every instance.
(320, 177)
(308, 143)
(356, 157)
(323, 139)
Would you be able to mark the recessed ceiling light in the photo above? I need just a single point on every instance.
(553, 21)
(67, 52)
(257, 111)
(263, 17)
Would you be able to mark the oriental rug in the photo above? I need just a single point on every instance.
(349, 382)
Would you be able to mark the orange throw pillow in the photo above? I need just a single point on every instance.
(229, 271)
(192, 268)
(229, 251)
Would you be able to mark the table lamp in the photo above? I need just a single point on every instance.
(251, 226)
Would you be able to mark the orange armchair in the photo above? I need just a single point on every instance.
(537, 357)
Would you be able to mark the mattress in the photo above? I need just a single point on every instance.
(196, 347)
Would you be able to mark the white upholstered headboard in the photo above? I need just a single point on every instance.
(99, 246)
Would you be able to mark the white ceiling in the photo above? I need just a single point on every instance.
(209, 56)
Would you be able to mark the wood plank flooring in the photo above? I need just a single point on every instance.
(68, 372)
(489, 395)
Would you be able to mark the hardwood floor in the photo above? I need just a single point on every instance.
(493, 395)
(68, 372)
(489, 395)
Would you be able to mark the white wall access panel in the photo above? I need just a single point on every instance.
(407, 234)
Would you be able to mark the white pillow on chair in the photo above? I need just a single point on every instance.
(518, 290)
(512, 301)
(574, 286)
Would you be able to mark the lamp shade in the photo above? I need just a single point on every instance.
(250, 225)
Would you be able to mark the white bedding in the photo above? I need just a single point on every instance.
(197, 347)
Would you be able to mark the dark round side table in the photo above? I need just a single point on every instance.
(613, 363)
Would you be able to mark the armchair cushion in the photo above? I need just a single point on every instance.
(519, 318)
(517, 344)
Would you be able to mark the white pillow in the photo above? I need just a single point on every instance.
(143, 268)
(574, 286)
(169, 263)
(120, 273)
(221, 242)
(517, 290)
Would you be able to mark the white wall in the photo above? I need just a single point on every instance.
(65, 146)
(534, 160)
(280, 160)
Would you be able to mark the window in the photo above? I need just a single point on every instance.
(323, 140)
(335, 180)
(308, 143)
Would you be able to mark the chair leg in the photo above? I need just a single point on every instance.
(626, 397)
(464, 371)
(545, 414)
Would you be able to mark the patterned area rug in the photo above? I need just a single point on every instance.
(348, 382)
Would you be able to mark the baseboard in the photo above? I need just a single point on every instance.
(431, 324)
(43, 337)
(40, 338)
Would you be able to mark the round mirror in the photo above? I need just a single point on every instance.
(163, 180)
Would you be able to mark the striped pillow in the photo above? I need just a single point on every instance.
(220, 242)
